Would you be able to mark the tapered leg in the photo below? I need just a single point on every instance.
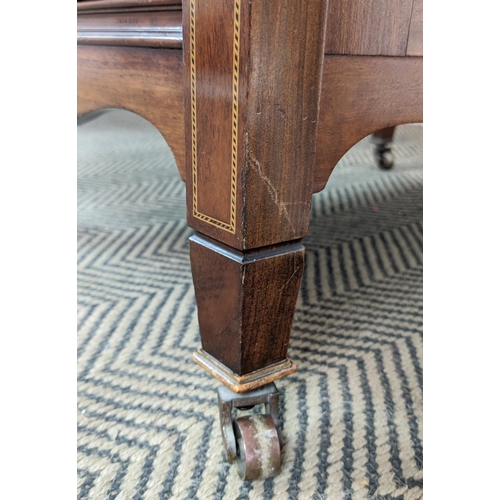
(383, 140)
(246, 303)
(253, 75)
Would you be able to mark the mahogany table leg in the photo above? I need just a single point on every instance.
(252, 94)
(251, 101)
(246, 303)
(383, 140)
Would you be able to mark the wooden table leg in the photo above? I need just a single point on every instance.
(252, 93)
(246, 303)
(251, 105)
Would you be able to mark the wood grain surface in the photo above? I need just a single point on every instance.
(358, 27)
(145, 81)
(254, 76)
(361, 95)
(238, 296)
(416, 35)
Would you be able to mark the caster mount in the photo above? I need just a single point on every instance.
(253, 442)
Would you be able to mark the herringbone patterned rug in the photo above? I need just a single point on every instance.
(147, 415)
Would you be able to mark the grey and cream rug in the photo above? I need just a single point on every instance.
(148, 423)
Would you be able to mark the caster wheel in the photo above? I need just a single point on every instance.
(385, 159)
(258, 447)
(252, 442)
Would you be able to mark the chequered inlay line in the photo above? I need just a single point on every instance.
(231, 226)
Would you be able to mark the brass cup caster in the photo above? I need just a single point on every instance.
(253, 442)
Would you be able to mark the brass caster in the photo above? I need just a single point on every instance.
(252, 442)
(258, 447)
(385, 159)
(382, 140)
(384, 156)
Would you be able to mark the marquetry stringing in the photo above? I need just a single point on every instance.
(147, 414)
(231, 226)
